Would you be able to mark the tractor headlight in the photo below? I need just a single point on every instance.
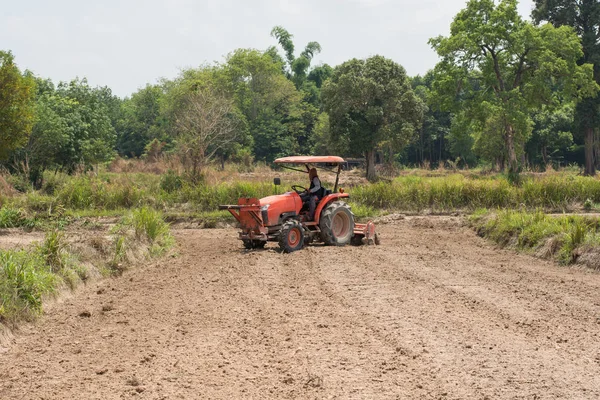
(264, 214)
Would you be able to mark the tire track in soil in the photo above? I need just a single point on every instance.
(435, 312)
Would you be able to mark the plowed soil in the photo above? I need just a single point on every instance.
(434, 312)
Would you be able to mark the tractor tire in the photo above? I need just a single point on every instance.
(254, 244)
(291, 236)
(337, 224)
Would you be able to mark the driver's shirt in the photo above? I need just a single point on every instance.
(315, 185)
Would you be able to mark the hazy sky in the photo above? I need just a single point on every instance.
(124, 44)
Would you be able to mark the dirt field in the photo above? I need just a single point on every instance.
(434, 312)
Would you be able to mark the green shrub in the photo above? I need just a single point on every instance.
(11, 217)
(171, 182)
(53, 182)
(573, 238)
(19, 182)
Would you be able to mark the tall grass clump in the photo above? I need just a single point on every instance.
(11, 217)
(208, 197)
(150, 225)
(103, 193)
(24, 280)
(54, 252)
(564, 238)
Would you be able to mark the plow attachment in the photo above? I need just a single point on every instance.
(247, 212)
(365, 233)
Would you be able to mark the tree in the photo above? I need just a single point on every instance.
(431, 145)
(371, 105)
(298, 66)
(277, 118)
(320, 74)
(584, 17)
(141, 121)
(50, 135)
(16, 105)
(552, 134)
(206, 123)
(515, 65)
(88, 114)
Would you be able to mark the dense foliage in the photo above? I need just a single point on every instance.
(506, 94)
(584, 17)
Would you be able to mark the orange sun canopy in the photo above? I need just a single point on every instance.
(310, 160)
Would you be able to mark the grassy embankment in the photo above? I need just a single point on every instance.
(564, 238)
(28, 276)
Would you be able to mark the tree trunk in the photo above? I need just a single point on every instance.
(545, 154)
(371, 175)
(590, 167)
(513, 164)
(597, 147)
(421, 146)
(441, 145)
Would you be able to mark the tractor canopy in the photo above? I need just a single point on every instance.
(310, 160)
(331, 161)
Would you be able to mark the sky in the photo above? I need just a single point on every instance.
(126, 44)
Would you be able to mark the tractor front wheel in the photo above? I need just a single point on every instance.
(291, 236)
(337, 224)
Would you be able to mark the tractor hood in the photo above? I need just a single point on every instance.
(277, 205)
(277, 198)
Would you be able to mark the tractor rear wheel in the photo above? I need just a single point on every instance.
(254, 244)
(291, 236)
(337, 224)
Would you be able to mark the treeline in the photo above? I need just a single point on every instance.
(507, 93)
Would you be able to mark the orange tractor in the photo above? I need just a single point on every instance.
(283, 218)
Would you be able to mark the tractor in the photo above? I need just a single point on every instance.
(283, 218)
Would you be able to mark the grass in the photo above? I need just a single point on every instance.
(27, 275)
(115, 194)
(150, 225)
(563, 238)
(24, 280)
(554, 192)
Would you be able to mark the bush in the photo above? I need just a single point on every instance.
(171, 181)
(11, 217)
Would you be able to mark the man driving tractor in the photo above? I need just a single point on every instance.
(313, 194)
(284, 218)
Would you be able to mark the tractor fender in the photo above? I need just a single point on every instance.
(325, 201)
(287, 215)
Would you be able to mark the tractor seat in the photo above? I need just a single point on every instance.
(327, 192)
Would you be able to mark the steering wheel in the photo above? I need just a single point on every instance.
(296, 187)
